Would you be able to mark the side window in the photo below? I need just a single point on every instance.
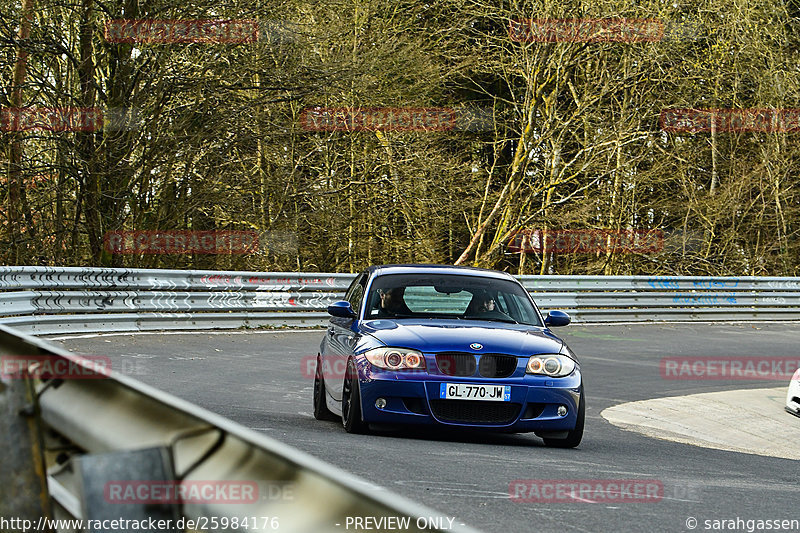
(355, 294)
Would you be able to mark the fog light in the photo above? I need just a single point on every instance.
(562, 410)
(380, 403)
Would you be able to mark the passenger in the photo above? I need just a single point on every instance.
(392, 303)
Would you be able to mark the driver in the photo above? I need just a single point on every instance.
(482, 302)
(485, 304)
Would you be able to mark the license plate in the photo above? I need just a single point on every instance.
(464, 391)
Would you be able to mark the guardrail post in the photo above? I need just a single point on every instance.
(23, 482)
(104, 477)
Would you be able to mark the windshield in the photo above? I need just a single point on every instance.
(450, 296)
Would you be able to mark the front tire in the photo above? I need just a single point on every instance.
(351, 402)
(321, 411)
(573, 436)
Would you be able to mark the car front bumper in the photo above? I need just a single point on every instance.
(414, 398)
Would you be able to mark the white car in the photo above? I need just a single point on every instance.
(793, 397)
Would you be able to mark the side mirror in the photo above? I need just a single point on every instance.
(555, 319)
(341, 309)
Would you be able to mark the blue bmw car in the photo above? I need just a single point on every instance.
(447, 346)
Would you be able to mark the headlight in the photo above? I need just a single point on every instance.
(396, 358)
(553, 365)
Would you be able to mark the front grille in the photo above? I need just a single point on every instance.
(456, 364)
(494, 365)
(475, 412)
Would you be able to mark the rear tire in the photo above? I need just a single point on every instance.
(321, 411)
(351, 402)
(573, 436)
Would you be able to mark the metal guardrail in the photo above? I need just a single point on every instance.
(668, 298)
(32, 277)
(112, 430)
(50, 300)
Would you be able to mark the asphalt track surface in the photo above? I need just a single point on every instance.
(255, 378)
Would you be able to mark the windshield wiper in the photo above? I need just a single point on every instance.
(508, 320)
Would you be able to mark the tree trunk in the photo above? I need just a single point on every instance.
(16, 191)
(85, 141)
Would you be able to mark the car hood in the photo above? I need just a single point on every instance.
(457, 335)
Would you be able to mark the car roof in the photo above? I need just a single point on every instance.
(380, 270)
